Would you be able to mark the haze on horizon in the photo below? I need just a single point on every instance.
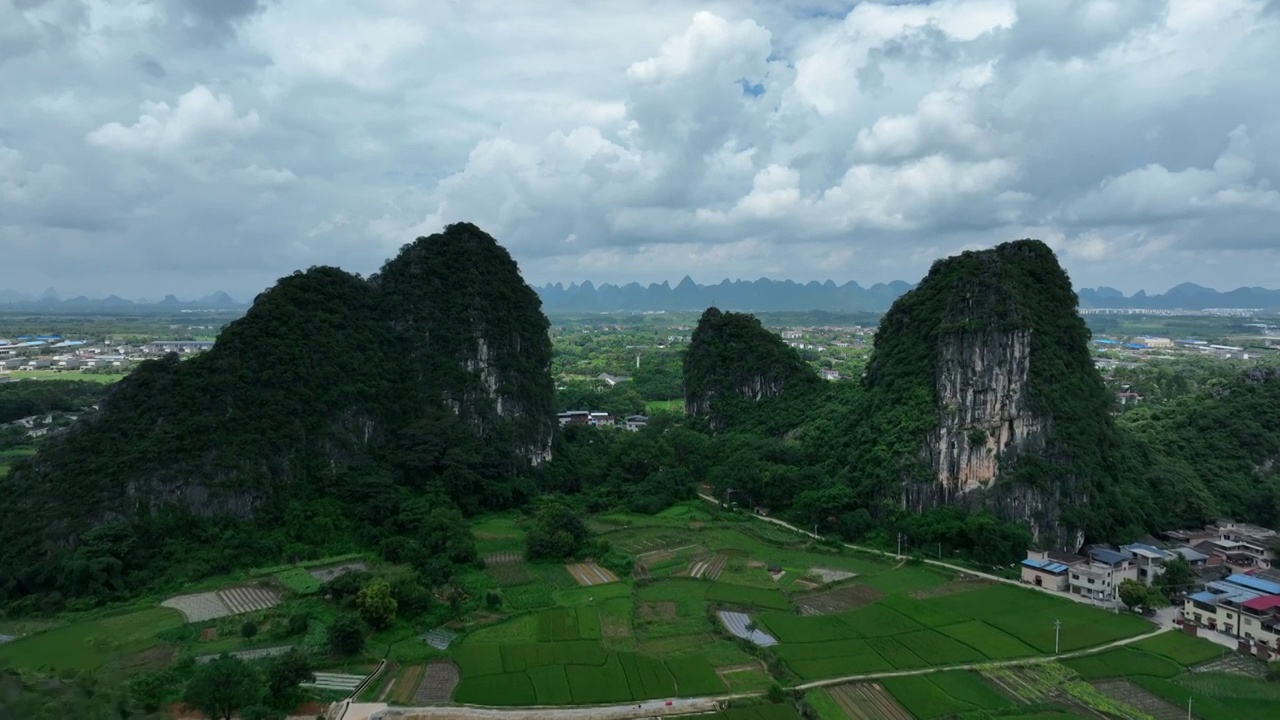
(150, 147)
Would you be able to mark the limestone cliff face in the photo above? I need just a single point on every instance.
(984, 411)
(732, 358)
(987, 360)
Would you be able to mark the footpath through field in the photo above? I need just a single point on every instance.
(927, 561)
(977, 666)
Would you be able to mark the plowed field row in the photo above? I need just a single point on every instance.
(868, 701)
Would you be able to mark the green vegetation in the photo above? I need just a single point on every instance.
(943, 694)
(732, 361)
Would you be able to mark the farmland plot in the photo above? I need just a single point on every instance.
(439, 638)
(741, 626)
(591, 574)
(1129, 694)
(199, 607)
(335, 681)
(868, 701)
(837, 600)
(248, 599)
(437, 685)
(709, 568)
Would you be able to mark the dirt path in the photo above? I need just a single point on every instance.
(977, 666)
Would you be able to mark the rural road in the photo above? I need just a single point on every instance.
(927, 561)
(625, 711)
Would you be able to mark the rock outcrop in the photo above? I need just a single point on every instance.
(732, 358)
(989, 360)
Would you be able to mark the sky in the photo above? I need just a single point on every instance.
(186, 146)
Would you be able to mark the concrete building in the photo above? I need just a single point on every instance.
(1099, 577)
(1048, 569)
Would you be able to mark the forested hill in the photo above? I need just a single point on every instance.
(732, 359)
(983, 391)
(332, 394)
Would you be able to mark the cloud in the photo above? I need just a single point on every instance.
(218, 145)
(199, 115)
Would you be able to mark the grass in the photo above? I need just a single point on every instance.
(752, 597)
(922, 698)
(822, 703)
(92, 643)
(1238, 701)
(1122, 662)
(653, 406)
(987, 640)
(1181, 648)
(298, 580)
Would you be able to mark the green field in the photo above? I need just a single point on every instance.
(90, 644)
(298, 580)
(1180, 648)
(946, 693)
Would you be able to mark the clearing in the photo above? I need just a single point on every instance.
(437, 685)
(741, 626)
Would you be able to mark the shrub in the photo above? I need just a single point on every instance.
(248, 629)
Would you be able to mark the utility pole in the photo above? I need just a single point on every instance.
(1188, 708)
(1057, 633)
(899, 544)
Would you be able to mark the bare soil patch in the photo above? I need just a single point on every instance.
(868, 701)
(437, 683)
(708, 567)
(746, 667)
(952, 588)
(589, 573)
(208, 634)
(754, 564)
(837, 600)
(803, 585)
(614, 626)
(657, 610)
(328, 572)
(827, 576)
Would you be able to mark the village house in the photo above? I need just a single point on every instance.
(829, 374)
(1242, 606)
(1240, 546)
(1049, 569)
(1149, 559)
(574, 417)
(600, 419)
(612, 380)
(1101, 575)
(635, 423)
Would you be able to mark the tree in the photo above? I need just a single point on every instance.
(1176, 579)
(376, 604)
(222, 687)
(557, 533)
(248, 629)
(345, 635)
(284, 673)
(776, 694)
(1134, 594)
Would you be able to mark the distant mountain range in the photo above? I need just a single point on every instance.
(765, 295)
(50, 301)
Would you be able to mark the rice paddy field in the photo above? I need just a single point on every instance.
(656, 635)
